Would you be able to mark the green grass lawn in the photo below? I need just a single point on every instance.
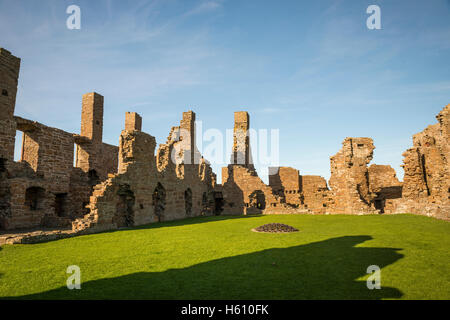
(220, 258)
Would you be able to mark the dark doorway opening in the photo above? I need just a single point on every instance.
(204, 200)
(124, 216)
(61, 204)
(34, 197)
(218, 203)
(379, 205)
(2, 165)
(188, 202)
(94, 179)
(159, 201)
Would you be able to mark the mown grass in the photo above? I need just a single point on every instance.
(220, 258)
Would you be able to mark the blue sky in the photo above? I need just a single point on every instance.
(309, 68)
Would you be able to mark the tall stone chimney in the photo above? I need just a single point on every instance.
(241, 139)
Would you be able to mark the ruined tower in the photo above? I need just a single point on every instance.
(92, 116)
(133, 121)
(187, 128)
(241, 140)
(9, 76)
(91, 133)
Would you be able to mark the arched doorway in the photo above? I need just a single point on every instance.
(159, 201)
(188, 202)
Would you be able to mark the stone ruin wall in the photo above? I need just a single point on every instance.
(426, 183)
(349, 180)
(149, 188)
(355, 188)
(47, 189)
(316, 195)
(242, 190)
(44, 189)
(285, 182)
(111, 187)
(9, 77)
(384, 185)
(245, 193)
(308, 193)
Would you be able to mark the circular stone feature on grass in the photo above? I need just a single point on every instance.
(275, 228)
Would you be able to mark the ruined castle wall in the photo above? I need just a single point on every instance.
(132, 188)
(315, 192)
(5, 193)
(44, 189)
(285, 182)
(302, 191)
(113, 187)
(40, 178)
(49, 151)
(382, 176)
(145, 190)
(349, 180)
(26, 212)
(244, 192)
(385, 186)
(9, 75)
(109, 160)
(426, 184)
(80, 190)
(429, 158)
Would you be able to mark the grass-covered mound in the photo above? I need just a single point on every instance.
(221, 258)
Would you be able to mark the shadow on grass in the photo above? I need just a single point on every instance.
(321, 270)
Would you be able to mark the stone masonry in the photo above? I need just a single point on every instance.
(44, 189)
(112, 187)
(426, 183)
(149, 189)
(350, 177)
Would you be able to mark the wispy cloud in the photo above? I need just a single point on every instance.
(204, 7)
(100, 56)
